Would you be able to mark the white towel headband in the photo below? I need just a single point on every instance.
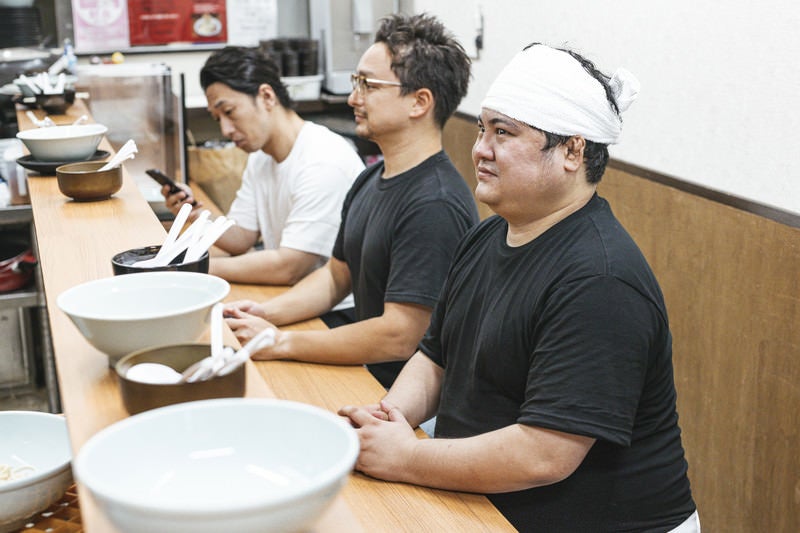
(550, 90)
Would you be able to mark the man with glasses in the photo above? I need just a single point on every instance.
(401, 220)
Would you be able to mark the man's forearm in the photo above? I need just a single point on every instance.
(416, 390)
(265, 267)
(393, 336)
(513, 458)
(311, 297)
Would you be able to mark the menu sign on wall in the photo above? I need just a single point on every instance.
(161, 22)
(100, 25)
(118, 25)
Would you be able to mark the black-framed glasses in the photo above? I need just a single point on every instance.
(362, 83)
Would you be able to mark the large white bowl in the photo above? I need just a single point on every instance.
(63, 143)
(121, 314)
(244, 465)
(41, 441)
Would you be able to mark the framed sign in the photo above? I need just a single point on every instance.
(160, 22)
(102, 26)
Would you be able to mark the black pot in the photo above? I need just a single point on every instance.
(17, 263)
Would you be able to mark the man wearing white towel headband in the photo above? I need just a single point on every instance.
(548, 360)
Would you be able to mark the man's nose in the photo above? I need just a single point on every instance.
(226, 127)
(481, 150)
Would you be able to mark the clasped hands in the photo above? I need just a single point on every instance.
(388, 441)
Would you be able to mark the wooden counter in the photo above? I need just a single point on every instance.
(75, 243)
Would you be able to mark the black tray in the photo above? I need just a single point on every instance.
(49, 167)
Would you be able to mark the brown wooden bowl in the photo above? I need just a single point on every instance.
(138, 396)
(82, 181)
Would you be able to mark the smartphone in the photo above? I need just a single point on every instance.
(163, 179)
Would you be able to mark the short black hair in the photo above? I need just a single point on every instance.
(426, 55)
(595, 155)
(244, 69)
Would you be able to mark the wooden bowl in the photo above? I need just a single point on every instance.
(84, 183)
(138, 396)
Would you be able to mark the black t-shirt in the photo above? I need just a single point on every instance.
(398, 237)
(568, 332)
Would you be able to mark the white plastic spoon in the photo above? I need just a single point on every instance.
(43, 123)
(173, 247)
(262, 340)
(32, 86)
(205, 367)
(172, 235)
(125, 152)
(193, 234)
(210, 236)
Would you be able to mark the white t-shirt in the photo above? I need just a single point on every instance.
(297, 203)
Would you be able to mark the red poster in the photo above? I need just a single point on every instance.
(160, 22)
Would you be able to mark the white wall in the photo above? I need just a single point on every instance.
(720, 98)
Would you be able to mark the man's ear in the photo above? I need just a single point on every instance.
(423, 103)
(573, 153)
(267, 94)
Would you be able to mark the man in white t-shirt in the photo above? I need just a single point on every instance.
(295, 181)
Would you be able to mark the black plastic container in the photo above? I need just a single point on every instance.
(122, 263)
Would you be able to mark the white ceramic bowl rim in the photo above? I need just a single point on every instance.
(69, 131)
(247, 504)
(215, 287)
(39, 474)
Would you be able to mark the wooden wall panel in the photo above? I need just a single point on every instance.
(731, 282)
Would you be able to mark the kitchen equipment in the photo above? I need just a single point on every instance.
(18, 59)
(63, 143)
(345, 29)
(138, 396)
(17, 264)
(125, 262)
(20, 24)
(36, 447)
(244, 465)
(86, 182)
(123, 314)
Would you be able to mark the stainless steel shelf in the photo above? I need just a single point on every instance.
(21, 298)
(15, 214)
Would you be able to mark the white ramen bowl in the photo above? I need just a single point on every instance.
(36, 447)
(75, 142)
(244, 465)
(121, 314)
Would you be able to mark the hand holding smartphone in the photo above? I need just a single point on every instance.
(163, 179)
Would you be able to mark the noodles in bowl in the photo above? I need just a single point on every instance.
(13, 473)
